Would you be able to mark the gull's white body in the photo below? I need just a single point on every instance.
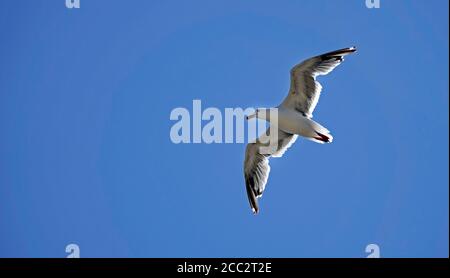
(293, 122)
(293, 118)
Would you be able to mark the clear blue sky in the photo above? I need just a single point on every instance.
(86, 158)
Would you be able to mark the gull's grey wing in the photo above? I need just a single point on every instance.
(256, 165)
(305, 91)
(256, 172)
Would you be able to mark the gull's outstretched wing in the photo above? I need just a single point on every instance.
(305, 91)
(256, 165)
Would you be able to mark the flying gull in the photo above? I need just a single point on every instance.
(293, 119)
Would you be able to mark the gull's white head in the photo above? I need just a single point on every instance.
(251, 116)
(260, 113)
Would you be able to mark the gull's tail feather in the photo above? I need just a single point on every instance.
(316, 132)
(321, 138)
(324, 138)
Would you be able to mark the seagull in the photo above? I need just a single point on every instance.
(294, 117)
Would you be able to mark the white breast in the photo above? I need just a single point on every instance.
(293, 122)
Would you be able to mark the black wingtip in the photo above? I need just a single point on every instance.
(352, 49)
(340, 52)
(347, 50)
(252, 198)
(255, 211)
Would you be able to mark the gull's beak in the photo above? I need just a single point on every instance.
(250, 116)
